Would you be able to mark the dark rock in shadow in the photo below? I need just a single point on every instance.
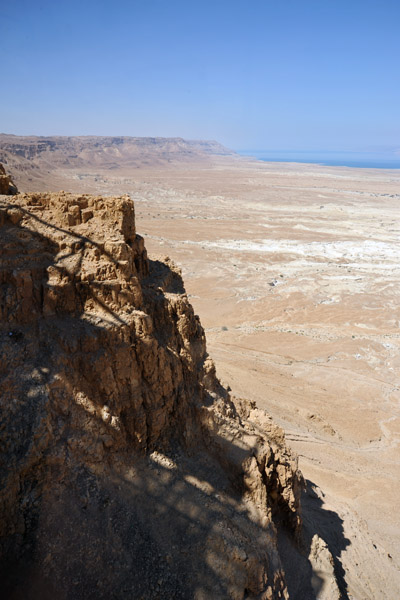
(306, 578)
(127, 470)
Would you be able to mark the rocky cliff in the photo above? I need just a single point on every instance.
(34, 161)
(6, 185)
(127, 469)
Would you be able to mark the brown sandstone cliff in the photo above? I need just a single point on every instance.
(127, 470)
(6, 185)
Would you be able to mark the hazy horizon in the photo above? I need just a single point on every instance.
(393, 151)
(367, 159)
(380, 158)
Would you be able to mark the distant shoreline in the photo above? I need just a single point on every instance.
(352, 160)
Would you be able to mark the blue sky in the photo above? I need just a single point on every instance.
(283, 75)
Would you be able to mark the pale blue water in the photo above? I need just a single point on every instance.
(364, 160)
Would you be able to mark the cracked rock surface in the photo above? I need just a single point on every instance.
(127, 470)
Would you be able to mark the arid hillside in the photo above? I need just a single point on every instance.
(32, 161)
(127, 470)
(294, 271)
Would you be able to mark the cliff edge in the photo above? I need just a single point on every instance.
(34, 161)
(127, 470)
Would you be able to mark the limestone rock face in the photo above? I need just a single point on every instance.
(6, 185)
(126, 469)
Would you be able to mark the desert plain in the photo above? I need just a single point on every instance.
(294, 270)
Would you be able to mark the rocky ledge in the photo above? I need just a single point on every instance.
(127, 470)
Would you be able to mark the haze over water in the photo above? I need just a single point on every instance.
(365, 160)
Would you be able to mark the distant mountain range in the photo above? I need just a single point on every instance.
(29, 158)
(108, 150)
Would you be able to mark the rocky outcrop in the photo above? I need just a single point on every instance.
(6, 185)
(127, 469)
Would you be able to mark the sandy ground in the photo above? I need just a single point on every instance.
(295, 273)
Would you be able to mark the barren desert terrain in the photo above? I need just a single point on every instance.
(295, 273)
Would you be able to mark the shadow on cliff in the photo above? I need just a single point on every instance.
(86, 515)
(327, 577)
(328, 526)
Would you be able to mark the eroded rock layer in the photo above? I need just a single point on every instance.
(6, 185)
(127, 469)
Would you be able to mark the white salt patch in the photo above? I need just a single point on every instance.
(365, 250)
(301, 226)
